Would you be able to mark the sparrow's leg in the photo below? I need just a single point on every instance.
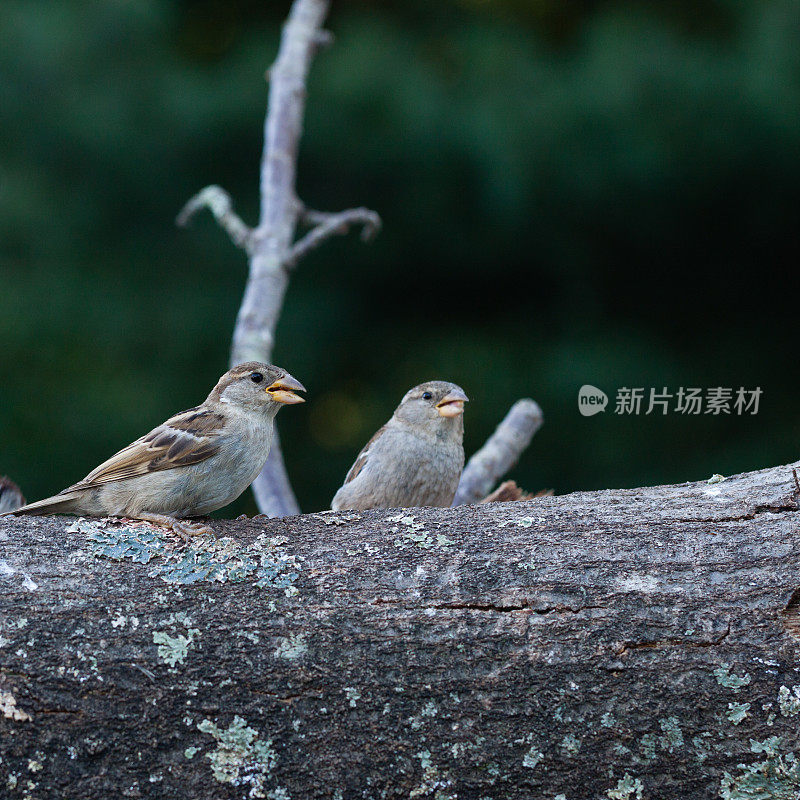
(185, 530)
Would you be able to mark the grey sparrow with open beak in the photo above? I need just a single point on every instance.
(416, 458)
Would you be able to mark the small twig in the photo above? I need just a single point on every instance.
(508, 491)
(501, 451)
(143, 670)
(219, 203)
(327, 224)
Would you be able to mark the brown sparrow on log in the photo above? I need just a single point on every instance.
(192, 464)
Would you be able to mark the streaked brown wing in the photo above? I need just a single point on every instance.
(187, 438)
(363, 456)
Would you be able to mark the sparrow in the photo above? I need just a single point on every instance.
(192, 464)
(416, 458)
(10, 495)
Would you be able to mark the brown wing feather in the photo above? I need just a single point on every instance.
(363, 456)
(187, 438)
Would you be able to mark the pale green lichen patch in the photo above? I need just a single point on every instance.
(172, 650)
(428, 710)
(139, 543)
(352, 695)
(205, 558)
(771, 746)
(35, 763)
(570, 744)
(673, 737)
(292, 647)
(521, 522)
(627, 788)
(413, 532)
(730, 680)
(435, 783)
(702, 747)
(173, 647)
(191, 752)
(647, 744)
(789, 702)
(776, 778)
(737, 712)
(337, 517)
(532, 758)
(240, 757)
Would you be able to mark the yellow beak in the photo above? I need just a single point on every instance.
(283, 390)
(452, 404)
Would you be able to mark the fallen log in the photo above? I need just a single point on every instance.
(627, 644)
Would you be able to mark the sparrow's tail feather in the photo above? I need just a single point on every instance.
(58, 504)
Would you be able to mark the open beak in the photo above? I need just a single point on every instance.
(452, 404)
(283, 390)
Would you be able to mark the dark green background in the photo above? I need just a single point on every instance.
(572, 192)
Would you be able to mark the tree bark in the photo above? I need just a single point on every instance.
(628, 644)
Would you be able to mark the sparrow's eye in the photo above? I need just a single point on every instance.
(256, 377)
(426, 395)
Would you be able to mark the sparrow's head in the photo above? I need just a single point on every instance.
(432, 402)
(259, 387)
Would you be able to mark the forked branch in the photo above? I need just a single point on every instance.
(327, 224)
(270, 246)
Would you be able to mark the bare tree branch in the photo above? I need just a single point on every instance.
(10, 495)
(270, 245)
(254, 334)
(327, 224)
(219, 203)
(501, 451)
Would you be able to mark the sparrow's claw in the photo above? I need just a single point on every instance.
(183, 529)
(186, 530)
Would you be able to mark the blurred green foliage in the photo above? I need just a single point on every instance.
(572, 193)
